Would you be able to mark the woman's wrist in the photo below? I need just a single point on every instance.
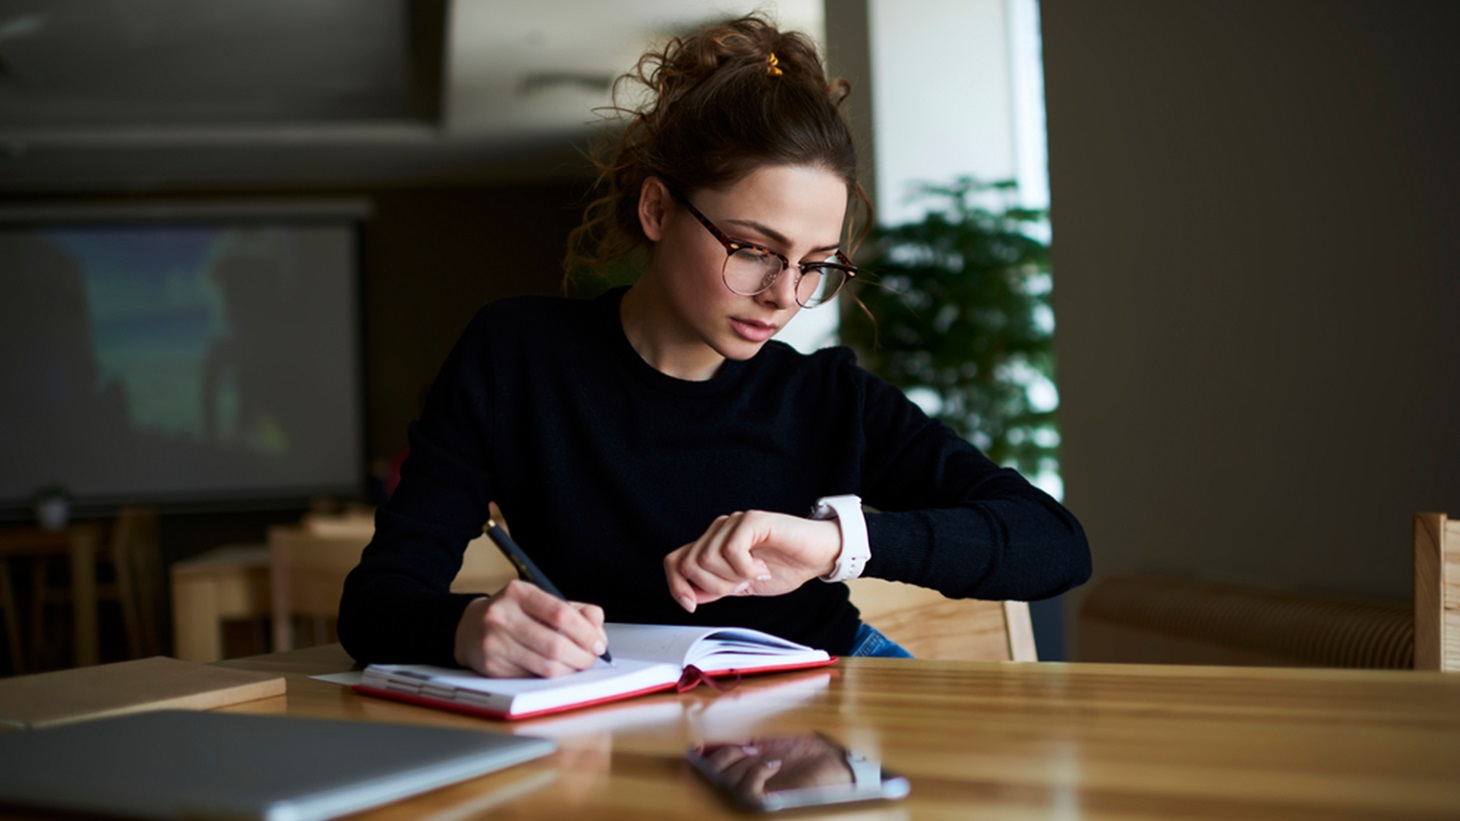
(828, 566)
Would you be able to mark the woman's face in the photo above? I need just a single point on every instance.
(796, 210)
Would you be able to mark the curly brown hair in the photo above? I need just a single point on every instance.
(720, 103)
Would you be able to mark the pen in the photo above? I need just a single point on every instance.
(526, 569)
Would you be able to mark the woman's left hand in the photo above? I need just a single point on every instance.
(752, 553)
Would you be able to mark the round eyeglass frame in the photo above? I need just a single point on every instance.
(843, 264)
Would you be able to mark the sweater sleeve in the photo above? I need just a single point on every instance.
(946, 517)
(397, 605)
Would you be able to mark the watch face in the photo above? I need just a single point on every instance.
(827, 506)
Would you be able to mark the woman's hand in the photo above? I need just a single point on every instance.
(523, 631)
(741, 767)
(763, 765)
(752, 553)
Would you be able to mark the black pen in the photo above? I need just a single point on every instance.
(526, 570)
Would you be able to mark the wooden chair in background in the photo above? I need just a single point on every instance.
(1436, 592)
(931, 626)
(220, 602)
(137, 564)
(11, 613)
(135, 584)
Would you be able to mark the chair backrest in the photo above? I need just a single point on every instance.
(138, 563)
(1436, 592)
(307, 572)
(931, 626)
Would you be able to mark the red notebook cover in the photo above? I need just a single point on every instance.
(691, 677)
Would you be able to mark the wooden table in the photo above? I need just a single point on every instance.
(230, 582)
(980, 740)
(79, 542)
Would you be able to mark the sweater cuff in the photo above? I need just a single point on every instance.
(449, 613)
(903, 542)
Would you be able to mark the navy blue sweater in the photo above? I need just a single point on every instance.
(603, 465)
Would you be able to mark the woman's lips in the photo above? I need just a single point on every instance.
(753, 330)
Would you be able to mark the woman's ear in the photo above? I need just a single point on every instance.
(653, 205)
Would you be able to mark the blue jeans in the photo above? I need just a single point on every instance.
(870, 642)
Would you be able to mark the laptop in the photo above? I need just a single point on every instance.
(176, 764)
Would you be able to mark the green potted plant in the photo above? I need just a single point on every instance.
(958, 316)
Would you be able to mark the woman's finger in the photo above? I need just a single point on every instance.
(517, 659)
(736, 541)
(542, 633)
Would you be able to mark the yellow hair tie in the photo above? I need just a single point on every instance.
(774, 67)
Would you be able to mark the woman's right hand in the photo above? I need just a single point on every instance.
(522, 631)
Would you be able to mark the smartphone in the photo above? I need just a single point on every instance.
(782, 772)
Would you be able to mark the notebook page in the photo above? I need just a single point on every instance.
(706, 647)
(653, 642)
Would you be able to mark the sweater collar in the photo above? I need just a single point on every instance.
(608, 316)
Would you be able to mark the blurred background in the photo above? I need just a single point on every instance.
(238, 238)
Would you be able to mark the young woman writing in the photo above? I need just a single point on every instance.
(657, 453)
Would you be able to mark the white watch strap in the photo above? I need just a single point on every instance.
(856, 551)
(866, 772)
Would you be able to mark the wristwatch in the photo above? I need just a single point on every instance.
(846, 509)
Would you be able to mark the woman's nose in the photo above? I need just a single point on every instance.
(783, 290)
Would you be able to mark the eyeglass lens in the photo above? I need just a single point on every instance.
(749, 272)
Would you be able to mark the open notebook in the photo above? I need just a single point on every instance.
(648, 658)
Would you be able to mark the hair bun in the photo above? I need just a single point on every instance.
(723, 101)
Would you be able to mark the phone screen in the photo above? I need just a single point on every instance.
(781, 772)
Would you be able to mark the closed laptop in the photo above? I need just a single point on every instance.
(175, 764)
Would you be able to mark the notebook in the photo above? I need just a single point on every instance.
(648, 658)
(177, 764)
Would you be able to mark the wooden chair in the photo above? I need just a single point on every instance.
(1436, 592)
(308, 564)
(139, 583)
(931, 626)
(11, 613)
(221, 603)
(135, 584)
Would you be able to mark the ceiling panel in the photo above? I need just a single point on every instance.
(176, 62)
(152, 94)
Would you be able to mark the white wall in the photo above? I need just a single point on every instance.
(943, 93)
(1256, 213)
(933, 80)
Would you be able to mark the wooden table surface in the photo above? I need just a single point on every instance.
(979, 740)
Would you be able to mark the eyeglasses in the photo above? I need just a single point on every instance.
(750, 269)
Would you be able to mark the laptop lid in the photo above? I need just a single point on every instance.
(175, 764)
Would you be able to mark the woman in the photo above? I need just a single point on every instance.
(654, 450)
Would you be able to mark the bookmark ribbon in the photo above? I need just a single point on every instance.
(694, 677)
